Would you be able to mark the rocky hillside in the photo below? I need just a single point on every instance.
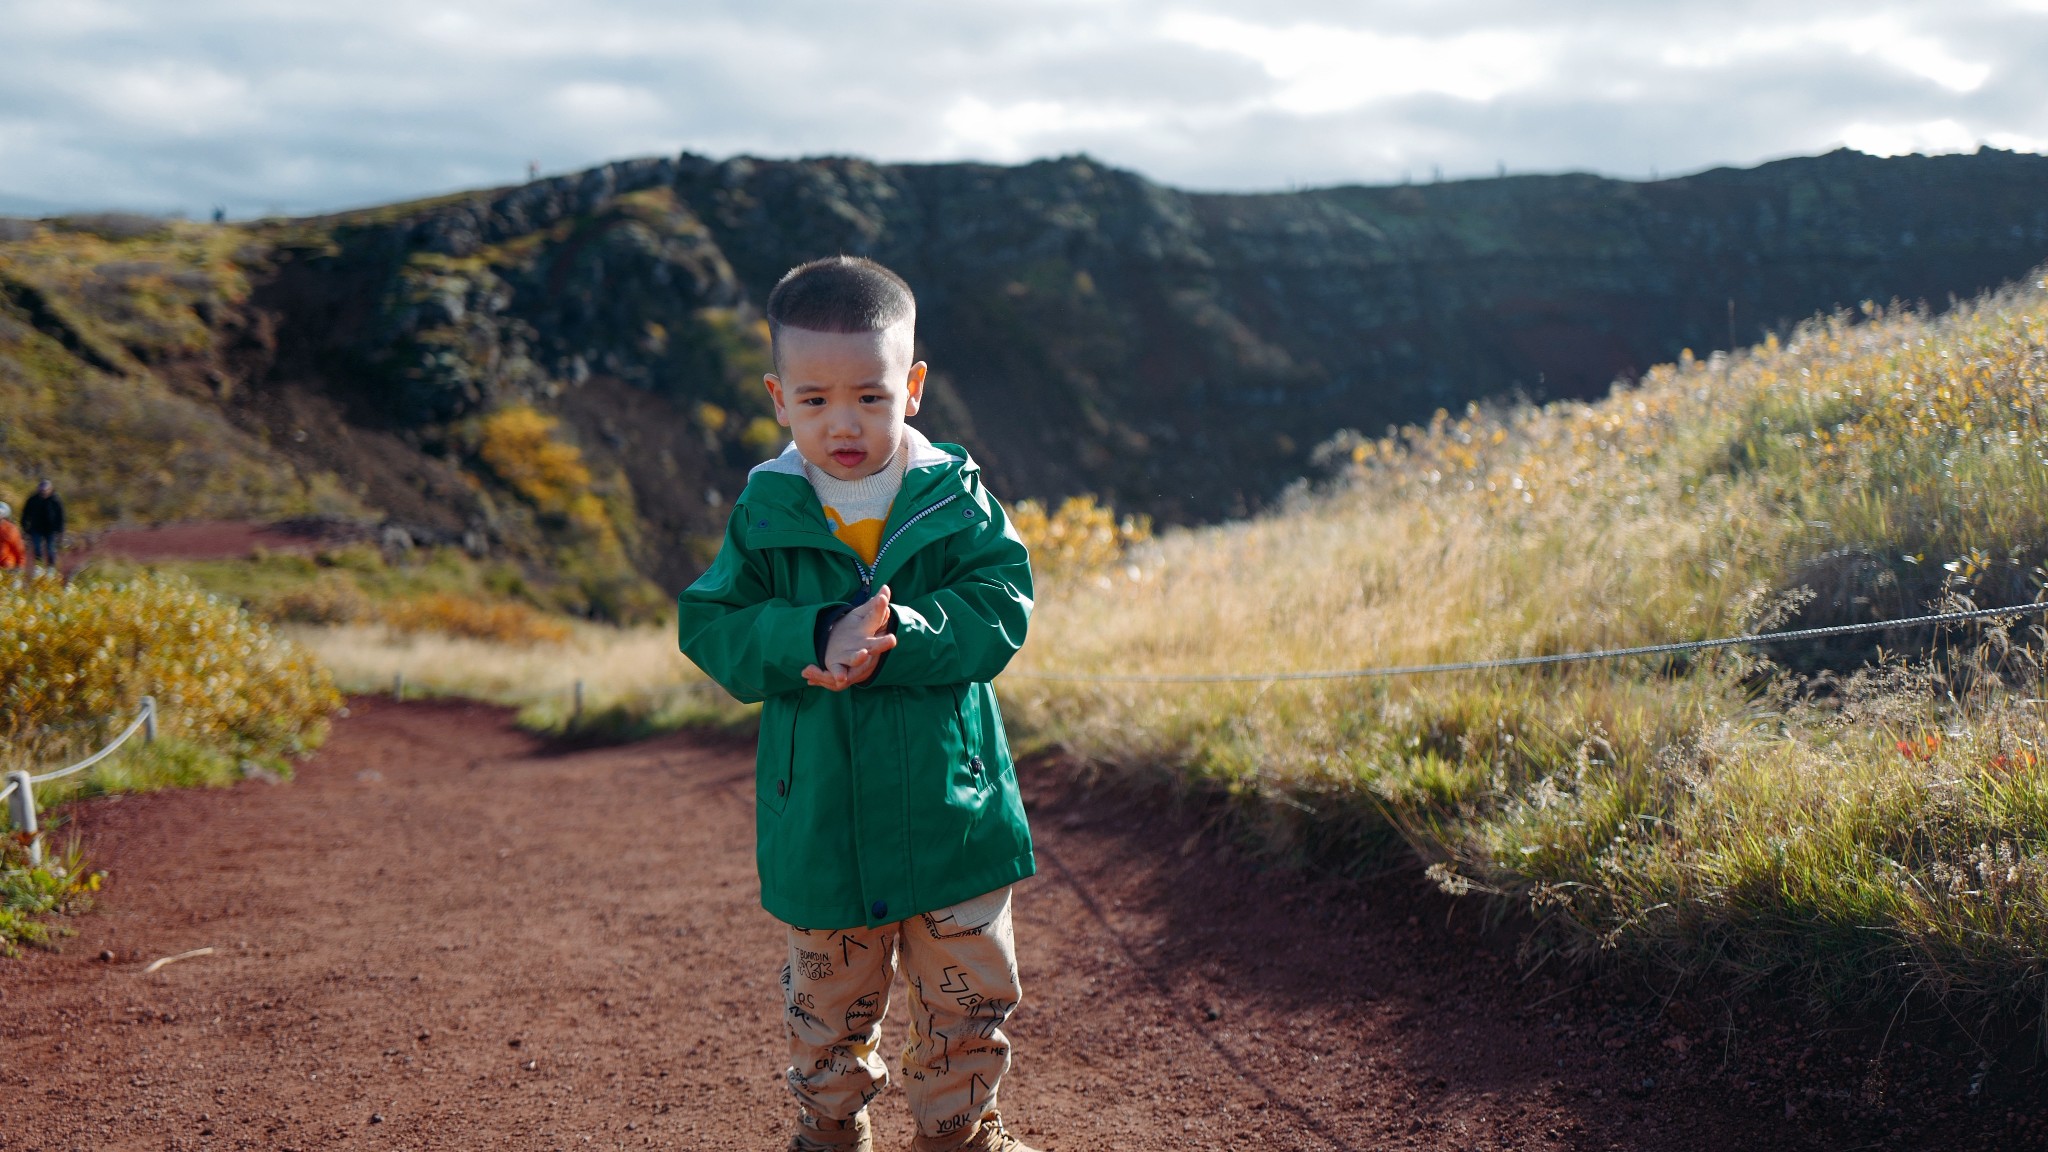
(1184, 353)
(568, 370)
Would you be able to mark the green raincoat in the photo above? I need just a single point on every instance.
(897, 796)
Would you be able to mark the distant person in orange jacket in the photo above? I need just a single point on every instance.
(42, 517)
(11, 553)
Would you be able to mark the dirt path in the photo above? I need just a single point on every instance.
(207, 540)
(444, 936)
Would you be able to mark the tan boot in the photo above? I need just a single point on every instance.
(815, 1134)
(990, 1136)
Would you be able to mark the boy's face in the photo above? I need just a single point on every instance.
(844, 396)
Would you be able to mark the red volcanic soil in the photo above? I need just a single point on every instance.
(212, 540)
(445, 934)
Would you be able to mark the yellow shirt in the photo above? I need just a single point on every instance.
(857, 510)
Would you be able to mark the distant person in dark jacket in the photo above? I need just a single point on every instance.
(42, 517)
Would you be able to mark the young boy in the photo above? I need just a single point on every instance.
(868, 590)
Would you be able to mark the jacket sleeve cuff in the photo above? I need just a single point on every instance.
(821, 632)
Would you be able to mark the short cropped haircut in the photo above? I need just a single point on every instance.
(839, 294)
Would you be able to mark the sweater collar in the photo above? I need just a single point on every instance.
(922, 453)
(780, 500)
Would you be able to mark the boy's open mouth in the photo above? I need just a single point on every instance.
(849, 457)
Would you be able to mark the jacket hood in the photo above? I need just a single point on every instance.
(779, 508)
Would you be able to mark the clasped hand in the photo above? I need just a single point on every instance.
(855, 645)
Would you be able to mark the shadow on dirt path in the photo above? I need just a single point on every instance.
(443, 935)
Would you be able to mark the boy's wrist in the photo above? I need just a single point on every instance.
(888, 629)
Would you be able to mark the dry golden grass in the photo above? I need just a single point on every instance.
(635, 680)
(1705, 812)
(503, 621)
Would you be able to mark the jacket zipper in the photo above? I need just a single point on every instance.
(867, 572)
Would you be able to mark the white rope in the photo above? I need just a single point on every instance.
(1531, 661)
(141, 718)
(9, 790)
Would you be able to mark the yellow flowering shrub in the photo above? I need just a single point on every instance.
(762, 435)
(75, 654)
(1082, 535)
(519, 444)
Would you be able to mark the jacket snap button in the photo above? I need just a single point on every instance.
(782, 787)
(967, 512)
(761, 524)
(881, 909)
(975, 763)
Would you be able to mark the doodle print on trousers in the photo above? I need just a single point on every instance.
(961, 966)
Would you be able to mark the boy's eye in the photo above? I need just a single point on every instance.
(812, 401)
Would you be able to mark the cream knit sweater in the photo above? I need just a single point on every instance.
(858, 509)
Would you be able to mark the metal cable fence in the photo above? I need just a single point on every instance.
(1674, 647)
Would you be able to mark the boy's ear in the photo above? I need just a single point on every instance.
(914, 384)
(774, 385)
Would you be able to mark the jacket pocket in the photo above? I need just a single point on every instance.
(972, 774)
(775, 759)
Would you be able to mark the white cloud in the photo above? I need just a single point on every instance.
(73, 18)
(280, 105)
(1321, 68)
(599, 101)
(1882, 38)
(2016, 142)
(174, 96)
(1028, 128)
(1930, 136)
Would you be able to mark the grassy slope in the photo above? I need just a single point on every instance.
(91, 329)
(123, 350)
(1886, 833)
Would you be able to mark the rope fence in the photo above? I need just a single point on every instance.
(1533, 661)
(20, 792)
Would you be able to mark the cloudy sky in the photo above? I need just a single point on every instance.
(283, 105)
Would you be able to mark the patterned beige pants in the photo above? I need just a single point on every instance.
(961, 965)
